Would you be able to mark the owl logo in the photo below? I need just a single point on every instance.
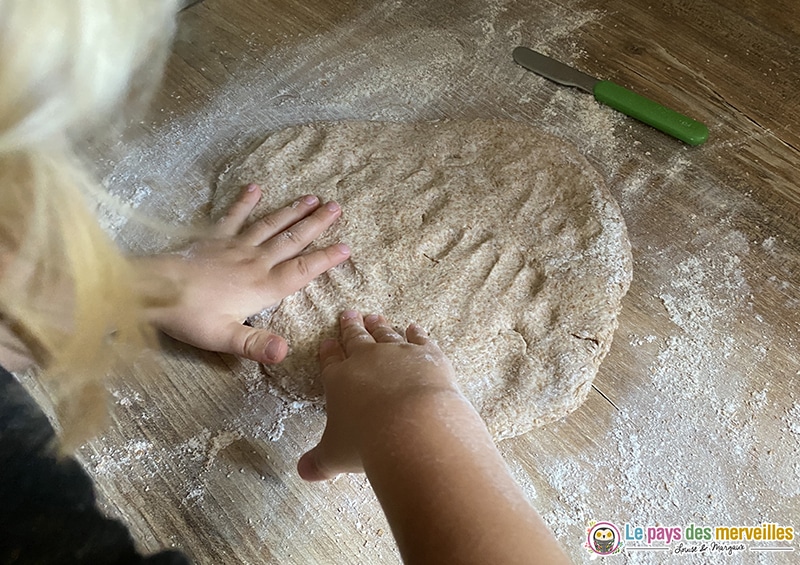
(604, 538)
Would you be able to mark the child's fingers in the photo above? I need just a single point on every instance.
(304, 228)
(270, 225)
(353, 332)
(417, 335)
(330, 353)
(309, 468)
(235, 216)
(381, 331)
(296, 273)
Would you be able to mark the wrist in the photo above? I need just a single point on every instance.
(391, 431)
(157, 282)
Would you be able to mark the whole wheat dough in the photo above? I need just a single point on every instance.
(499, 239)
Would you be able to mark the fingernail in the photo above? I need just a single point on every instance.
(371, 319)
(310, 199)
(349, 314)
(273, 349)
(327, 344)
(342, 248)
(332, 207)
(252, 187)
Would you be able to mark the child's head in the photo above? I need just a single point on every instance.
(66, 67)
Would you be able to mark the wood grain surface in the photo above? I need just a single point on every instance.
(695, 417)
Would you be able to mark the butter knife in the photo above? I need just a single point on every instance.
(618, 97)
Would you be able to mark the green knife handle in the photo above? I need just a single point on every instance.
(653, 114)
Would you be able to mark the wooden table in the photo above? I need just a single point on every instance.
(696, 415)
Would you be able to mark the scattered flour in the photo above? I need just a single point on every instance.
(690, 448)
(792, 419)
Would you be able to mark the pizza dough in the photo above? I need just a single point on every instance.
(502, 241)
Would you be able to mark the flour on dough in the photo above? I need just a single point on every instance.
(500, 239)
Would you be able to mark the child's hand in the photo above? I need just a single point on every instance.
(236, 272)
(370, 376)
(394, 411)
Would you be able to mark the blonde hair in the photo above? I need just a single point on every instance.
(67, 67)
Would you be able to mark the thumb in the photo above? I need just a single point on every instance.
(257, 344)
(309, 468)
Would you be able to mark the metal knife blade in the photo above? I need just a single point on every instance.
(554, 70)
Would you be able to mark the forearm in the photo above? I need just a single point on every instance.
(446, 490)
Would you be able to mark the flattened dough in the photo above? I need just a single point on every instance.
(500, 239)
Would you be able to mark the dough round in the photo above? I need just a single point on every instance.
(501, 240)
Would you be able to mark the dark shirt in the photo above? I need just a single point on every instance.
(48, 510)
